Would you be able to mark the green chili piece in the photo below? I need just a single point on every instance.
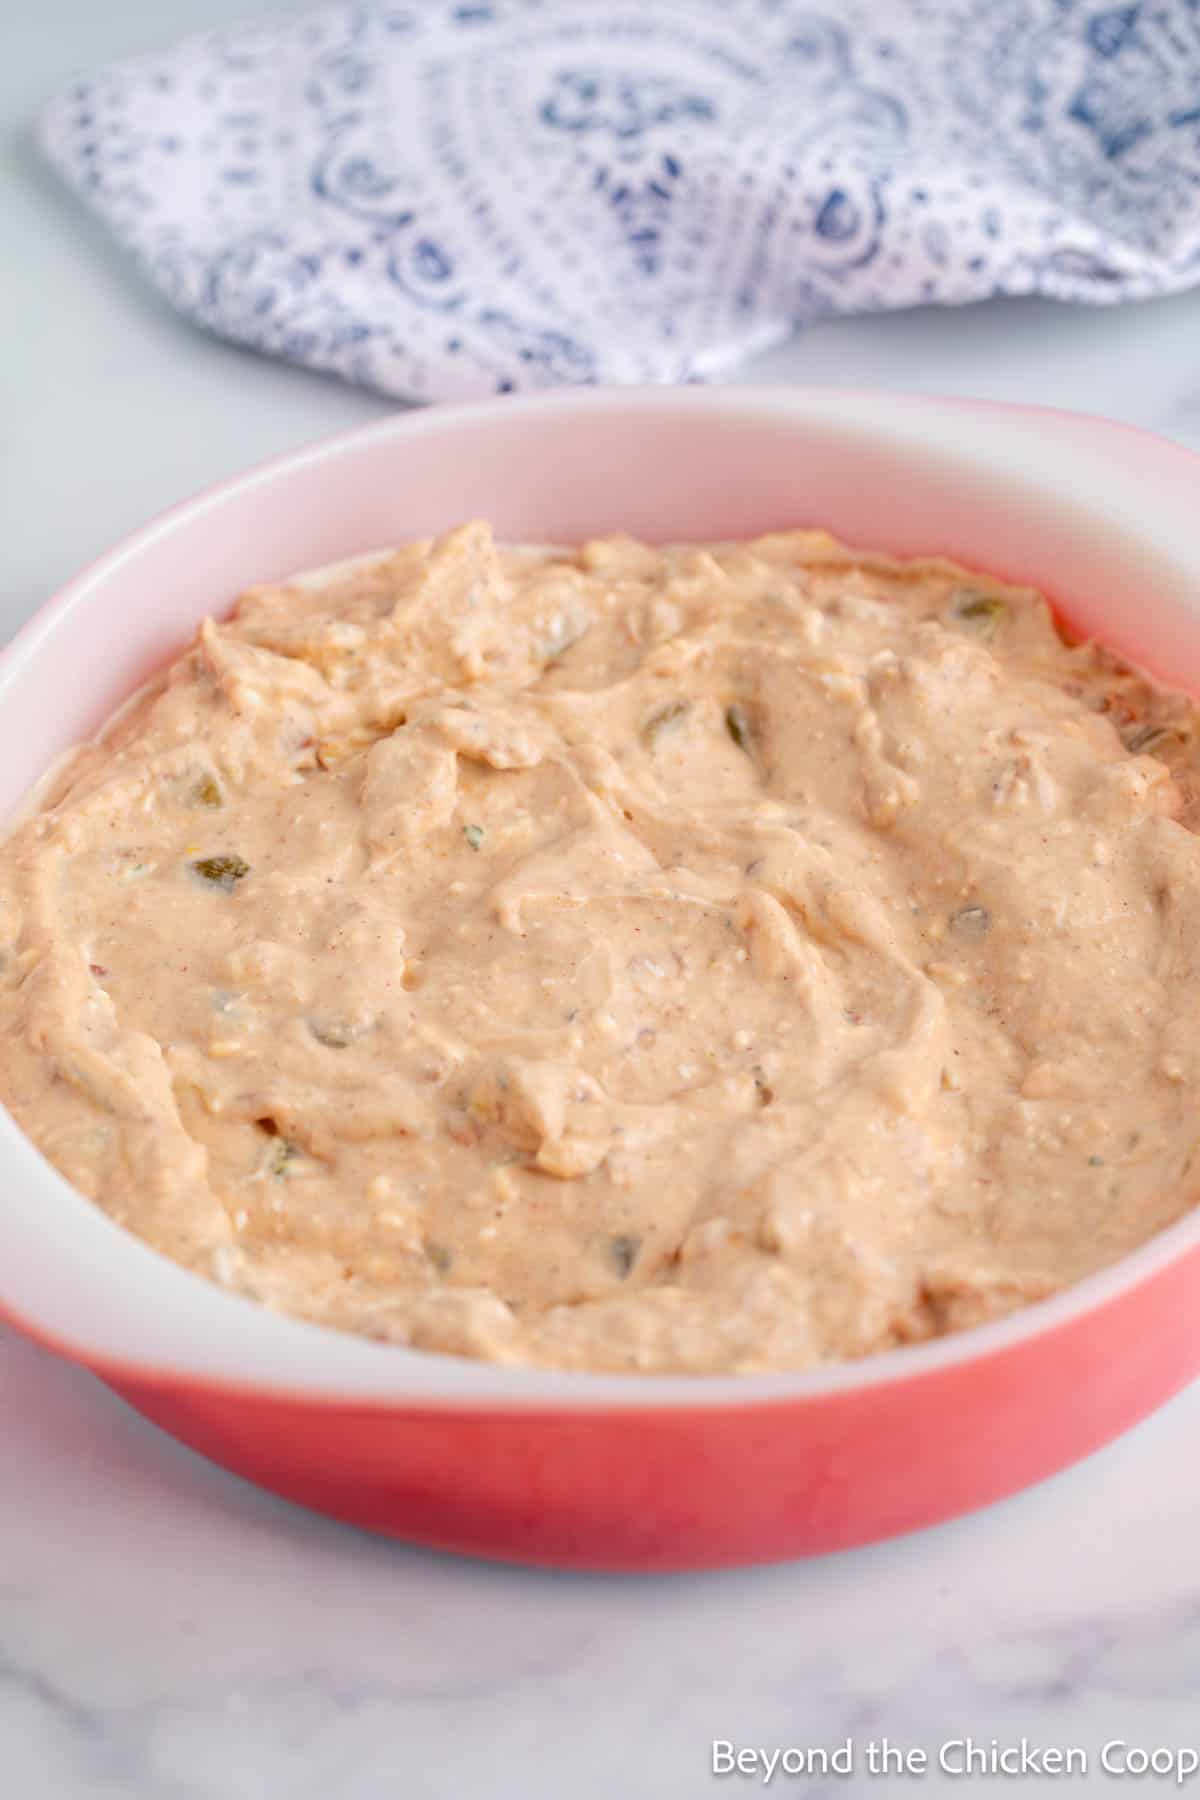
(980, 613)
(222, 871)
(440, 1257)
(207, 793)
(283, 1155)
(335, 1034)
(623, 1249)
(971, 922)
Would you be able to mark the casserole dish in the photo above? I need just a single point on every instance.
(619, 1471)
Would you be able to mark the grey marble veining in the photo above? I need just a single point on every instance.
(168, 1633)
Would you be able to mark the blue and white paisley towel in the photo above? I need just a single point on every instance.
(444, 199)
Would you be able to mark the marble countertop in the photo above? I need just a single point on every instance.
(168, 1633)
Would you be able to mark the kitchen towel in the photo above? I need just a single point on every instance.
(445, 199)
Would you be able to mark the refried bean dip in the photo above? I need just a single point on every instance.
(701, 959)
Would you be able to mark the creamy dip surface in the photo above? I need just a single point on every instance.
(700, 959)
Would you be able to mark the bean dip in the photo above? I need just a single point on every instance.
(694, 959)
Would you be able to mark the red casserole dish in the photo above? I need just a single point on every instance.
(607, 1471)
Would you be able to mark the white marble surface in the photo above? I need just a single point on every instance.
(166, 1631)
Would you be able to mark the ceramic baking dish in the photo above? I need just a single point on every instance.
(619, 1472)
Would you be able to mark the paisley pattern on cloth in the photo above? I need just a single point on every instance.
(444, 199)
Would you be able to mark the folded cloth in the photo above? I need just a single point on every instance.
(446, 199)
